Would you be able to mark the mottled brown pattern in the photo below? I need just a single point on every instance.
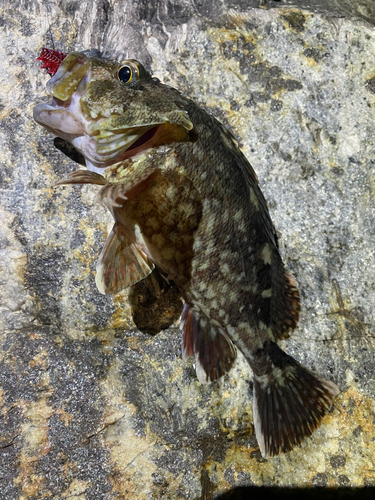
(185, 198)
(167, 227)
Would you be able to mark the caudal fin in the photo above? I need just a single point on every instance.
(289, 403)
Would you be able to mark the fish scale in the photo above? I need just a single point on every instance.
(186, 203)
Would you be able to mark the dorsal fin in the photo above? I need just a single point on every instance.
(277, 302)
(285, 305)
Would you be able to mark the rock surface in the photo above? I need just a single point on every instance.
(91, 408)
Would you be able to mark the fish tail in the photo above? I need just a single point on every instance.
(289, 400)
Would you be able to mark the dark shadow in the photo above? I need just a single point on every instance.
(69, 150)
(274, 493)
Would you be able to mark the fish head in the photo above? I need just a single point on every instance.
(111, 111)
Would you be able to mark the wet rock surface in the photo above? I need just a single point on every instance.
(93, 408)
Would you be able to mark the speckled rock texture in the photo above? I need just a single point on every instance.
(91, 408)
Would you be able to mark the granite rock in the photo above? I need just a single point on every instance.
(93, 408)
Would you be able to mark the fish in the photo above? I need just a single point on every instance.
(186, 201)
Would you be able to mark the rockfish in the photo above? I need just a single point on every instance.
(186, 200)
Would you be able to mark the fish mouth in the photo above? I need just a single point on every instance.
(62, 115)
(56, 117)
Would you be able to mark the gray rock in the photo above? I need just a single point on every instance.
(92, 408)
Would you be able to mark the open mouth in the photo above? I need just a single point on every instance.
(144, 139)
(158, 135)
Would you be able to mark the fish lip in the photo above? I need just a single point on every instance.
(52, 105)
(51, 115)
(43, 106)
(58, 103)
(72, 64)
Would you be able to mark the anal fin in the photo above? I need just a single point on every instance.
(213, 349)
(121, 263)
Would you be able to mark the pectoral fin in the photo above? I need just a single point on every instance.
(121, 263)
(114, 194)
(83, 177)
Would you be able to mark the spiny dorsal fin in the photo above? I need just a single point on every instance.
(121, 263)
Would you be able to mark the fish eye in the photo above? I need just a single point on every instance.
(130, 71)
(125, 73)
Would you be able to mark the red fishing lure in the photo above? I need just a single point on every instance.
(51, 60)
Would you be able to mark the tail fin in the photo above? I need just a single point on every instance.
(289, 403)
